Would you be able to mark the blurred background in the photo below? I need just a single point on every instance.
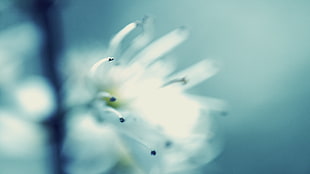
(261, 45)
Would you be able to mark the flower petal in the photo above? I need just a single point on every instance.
(210, 103)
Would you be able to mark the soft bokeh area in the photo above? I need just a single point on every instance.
(261, 47)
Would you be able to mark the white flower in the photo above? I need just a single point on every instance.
(26, 101)
(144, 102)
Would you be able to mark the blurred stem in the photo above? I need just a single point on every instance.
(47, 16)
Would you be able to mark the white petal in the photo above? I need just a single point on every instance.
(161, 68)
(170, 110)
(161, 46)
(197, 73)
(87, 141)
(193, 152)
(210, 103)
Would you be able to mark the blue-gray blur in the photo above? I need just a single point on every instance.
(263, 50)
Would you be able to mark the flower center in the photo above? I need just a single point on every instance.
(110, 99)
(113, 102)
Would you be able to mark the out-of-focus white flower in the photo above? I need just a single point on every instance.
(25, 100)
(21, 90)
(19, 137)
(23, 145)
(34, 98)
(143, 103)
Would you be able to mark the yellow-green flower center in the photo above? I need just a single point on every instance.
(112, 102)
(112, 99)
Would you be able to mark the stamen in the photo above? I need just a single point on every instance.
(198, 72)
(118, 114)
(152, 151)
(117, 39)
(182, 80)
(121, 120)
(95, 67)
(138, 139)
(106, 95)
(168, 144)
(142, 39)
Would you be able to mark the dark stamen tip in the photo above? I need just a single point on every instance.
(112, 99)
(111, 59)
(184, 80)
(153, 152)
(122, 120)
(168, 144)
